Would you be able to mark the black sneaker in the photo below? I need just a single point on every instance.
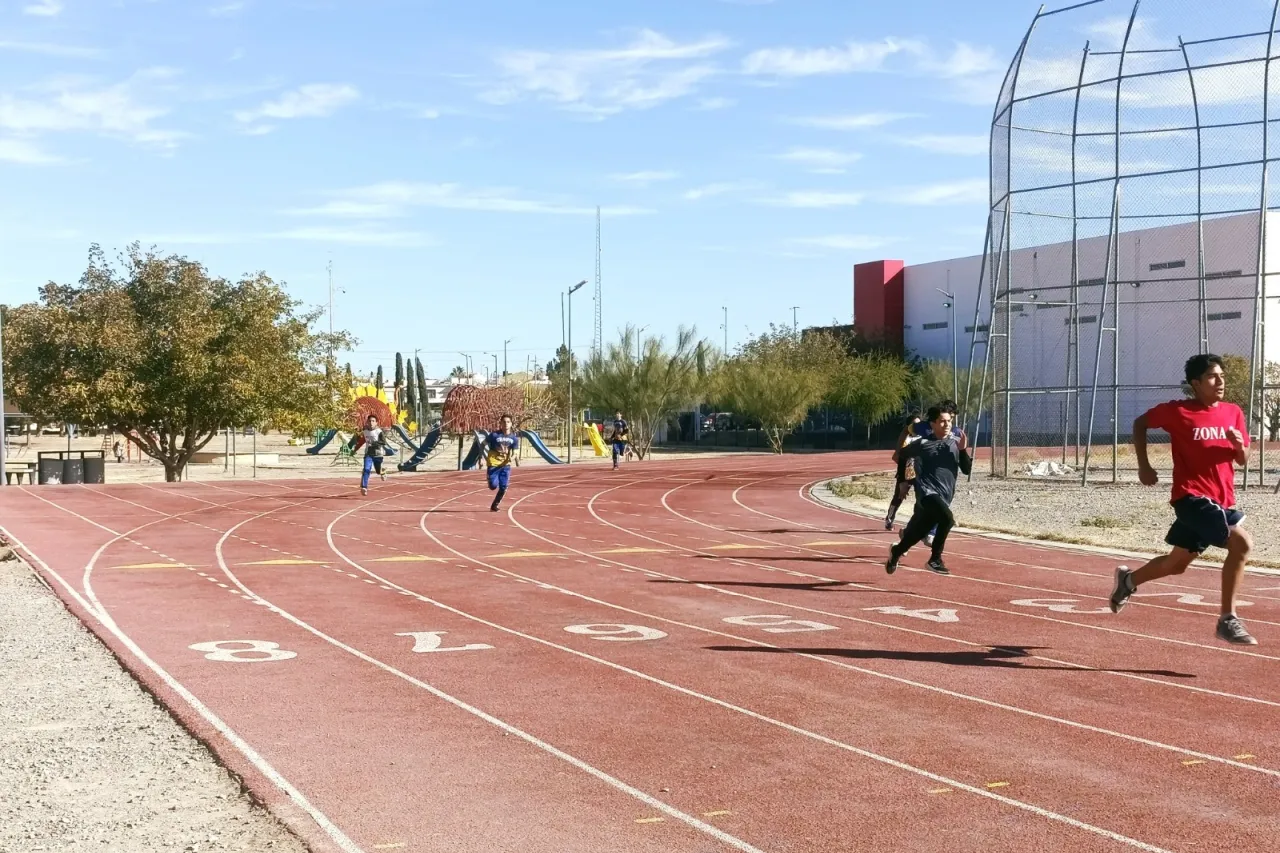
(891, 565)
(1231, 629)
(888, 522)
(1124, 588)
(938, 567)
(493, 507)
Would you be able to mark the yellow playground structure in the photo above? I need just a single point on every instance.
(597, 443)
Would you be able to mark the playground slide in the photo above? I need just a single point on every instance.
(597, 441)
(422, 451)
(473, 456)
(328, 437)
(404, 437)
(534, 439)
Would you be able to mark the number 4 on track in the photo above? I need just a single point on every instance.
(936, 614)
(429, 641)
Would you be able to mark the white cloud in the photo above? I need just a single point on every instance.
(799, 62)
(649, 71)
(709, 104)
(950, 144)
(397, 198)
(315, 100)
(854, 121)
(69, 51)
(358, 236)
(643, 179)
(715, 189)
(225, 10)
(22, 151)
(817, 199)
(973, 191)
(821, 160)
(44, 8)
(76, 104)
(843, 242)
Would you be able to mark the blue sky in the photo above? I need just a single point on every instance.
(448, 158)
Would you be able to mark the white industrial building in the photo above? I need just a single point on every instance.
(1164, 311)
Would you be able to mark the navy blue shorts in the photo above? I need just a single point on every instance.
(1200, 523)
(499, 477)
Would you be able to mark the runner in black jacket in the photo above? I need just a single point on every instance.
(940, 459)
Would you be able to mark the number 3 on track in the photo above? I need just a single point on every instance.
(247, 651)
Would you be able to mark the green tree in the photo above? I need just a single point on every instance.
(422, 395)
(931, 382)
(872, 386)
(650, 389)
(399, 378)
(776, 378)
(160, 351)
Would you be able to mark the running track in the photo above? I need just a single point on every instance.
(672, 657)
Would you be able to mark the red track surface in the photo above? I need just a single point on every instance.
(776, 690)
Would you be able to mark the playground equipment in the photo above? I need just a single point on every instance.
(420, 452)
(322, 439)
(597, 441)
(469, 410)
(472, 458)
(535, 441)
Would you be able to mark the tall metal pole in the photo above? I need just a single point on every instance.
(955, 355)
(725, 309)
(504, 355)
(1258, 390)
(4, 440)
(569, 432)
(330, 267)
(795, 325)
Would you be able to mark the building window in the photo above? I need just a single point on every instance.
(1167, 265)
(931, 326)
(1091, 282)
(1225, 315)
(969, 330)
(1087, 318)
(1209, 276)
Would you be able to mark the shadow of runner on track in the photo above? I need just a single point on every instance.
(997, 656)
(811, 532)
(852, 558)
(816, 586)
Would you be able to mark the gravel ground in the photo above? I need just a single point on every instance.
(1124, 516)
(88, 761)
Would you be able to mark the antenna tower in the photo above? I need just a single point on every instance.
(598, 340)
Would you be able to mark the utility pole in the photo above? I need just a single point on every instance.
(725, 309)
(572, 417)
(795, 325)
(504, 355)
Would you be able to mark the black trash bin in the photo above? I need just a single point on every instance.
(95, 468)
(72, 470)
(49, 469)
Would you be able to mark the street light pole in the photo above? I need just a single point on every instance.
(638, 342)
(955, 368)
(504, 355)
(725, 309)
(495, 364)
(571, 424)
(795, 325)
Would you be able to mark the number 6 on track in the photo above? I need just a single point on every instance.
(617, 633)
(778, 624)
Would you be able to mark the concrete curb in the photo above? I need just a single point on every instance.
(821, 492)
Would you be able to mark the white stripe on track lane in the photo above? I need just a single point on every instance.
(1135, 676)
(706, 828)
(924, 597)
(94, 607)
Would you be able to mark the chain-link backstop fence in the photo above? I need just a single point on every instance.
(1131, 215)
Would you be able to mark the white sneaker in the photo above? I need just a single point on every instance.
(363, 490)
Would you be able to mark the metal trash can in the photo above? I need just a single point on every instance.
(49, 470)
(95, 468)
(72, 470)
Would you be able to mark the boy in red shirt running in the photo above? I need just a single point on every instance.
(1209, 438)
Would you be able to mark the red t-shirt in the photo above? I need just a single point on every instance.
(1204, 462)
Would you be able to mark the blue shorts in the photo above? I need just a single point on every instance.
(619, 448)
(499, 477)
(1200, 523)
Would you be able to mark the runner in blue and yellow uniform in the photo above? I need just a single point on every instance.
(500, 453)
(619, 437)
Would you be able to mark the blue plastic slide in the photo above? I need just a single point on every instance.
(420, 452)
(477, 449)
(404, 437)
(534, 439)
(328, 437)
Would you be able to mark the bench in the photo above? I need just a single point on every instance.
(18, 470)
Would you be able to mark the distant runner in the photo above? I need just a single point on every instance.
(902, 484)
(620, 438)
(501, 447)
(375, 447)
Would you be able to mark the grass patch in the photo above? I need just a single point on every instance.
(858, 487)
(1104, 522)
